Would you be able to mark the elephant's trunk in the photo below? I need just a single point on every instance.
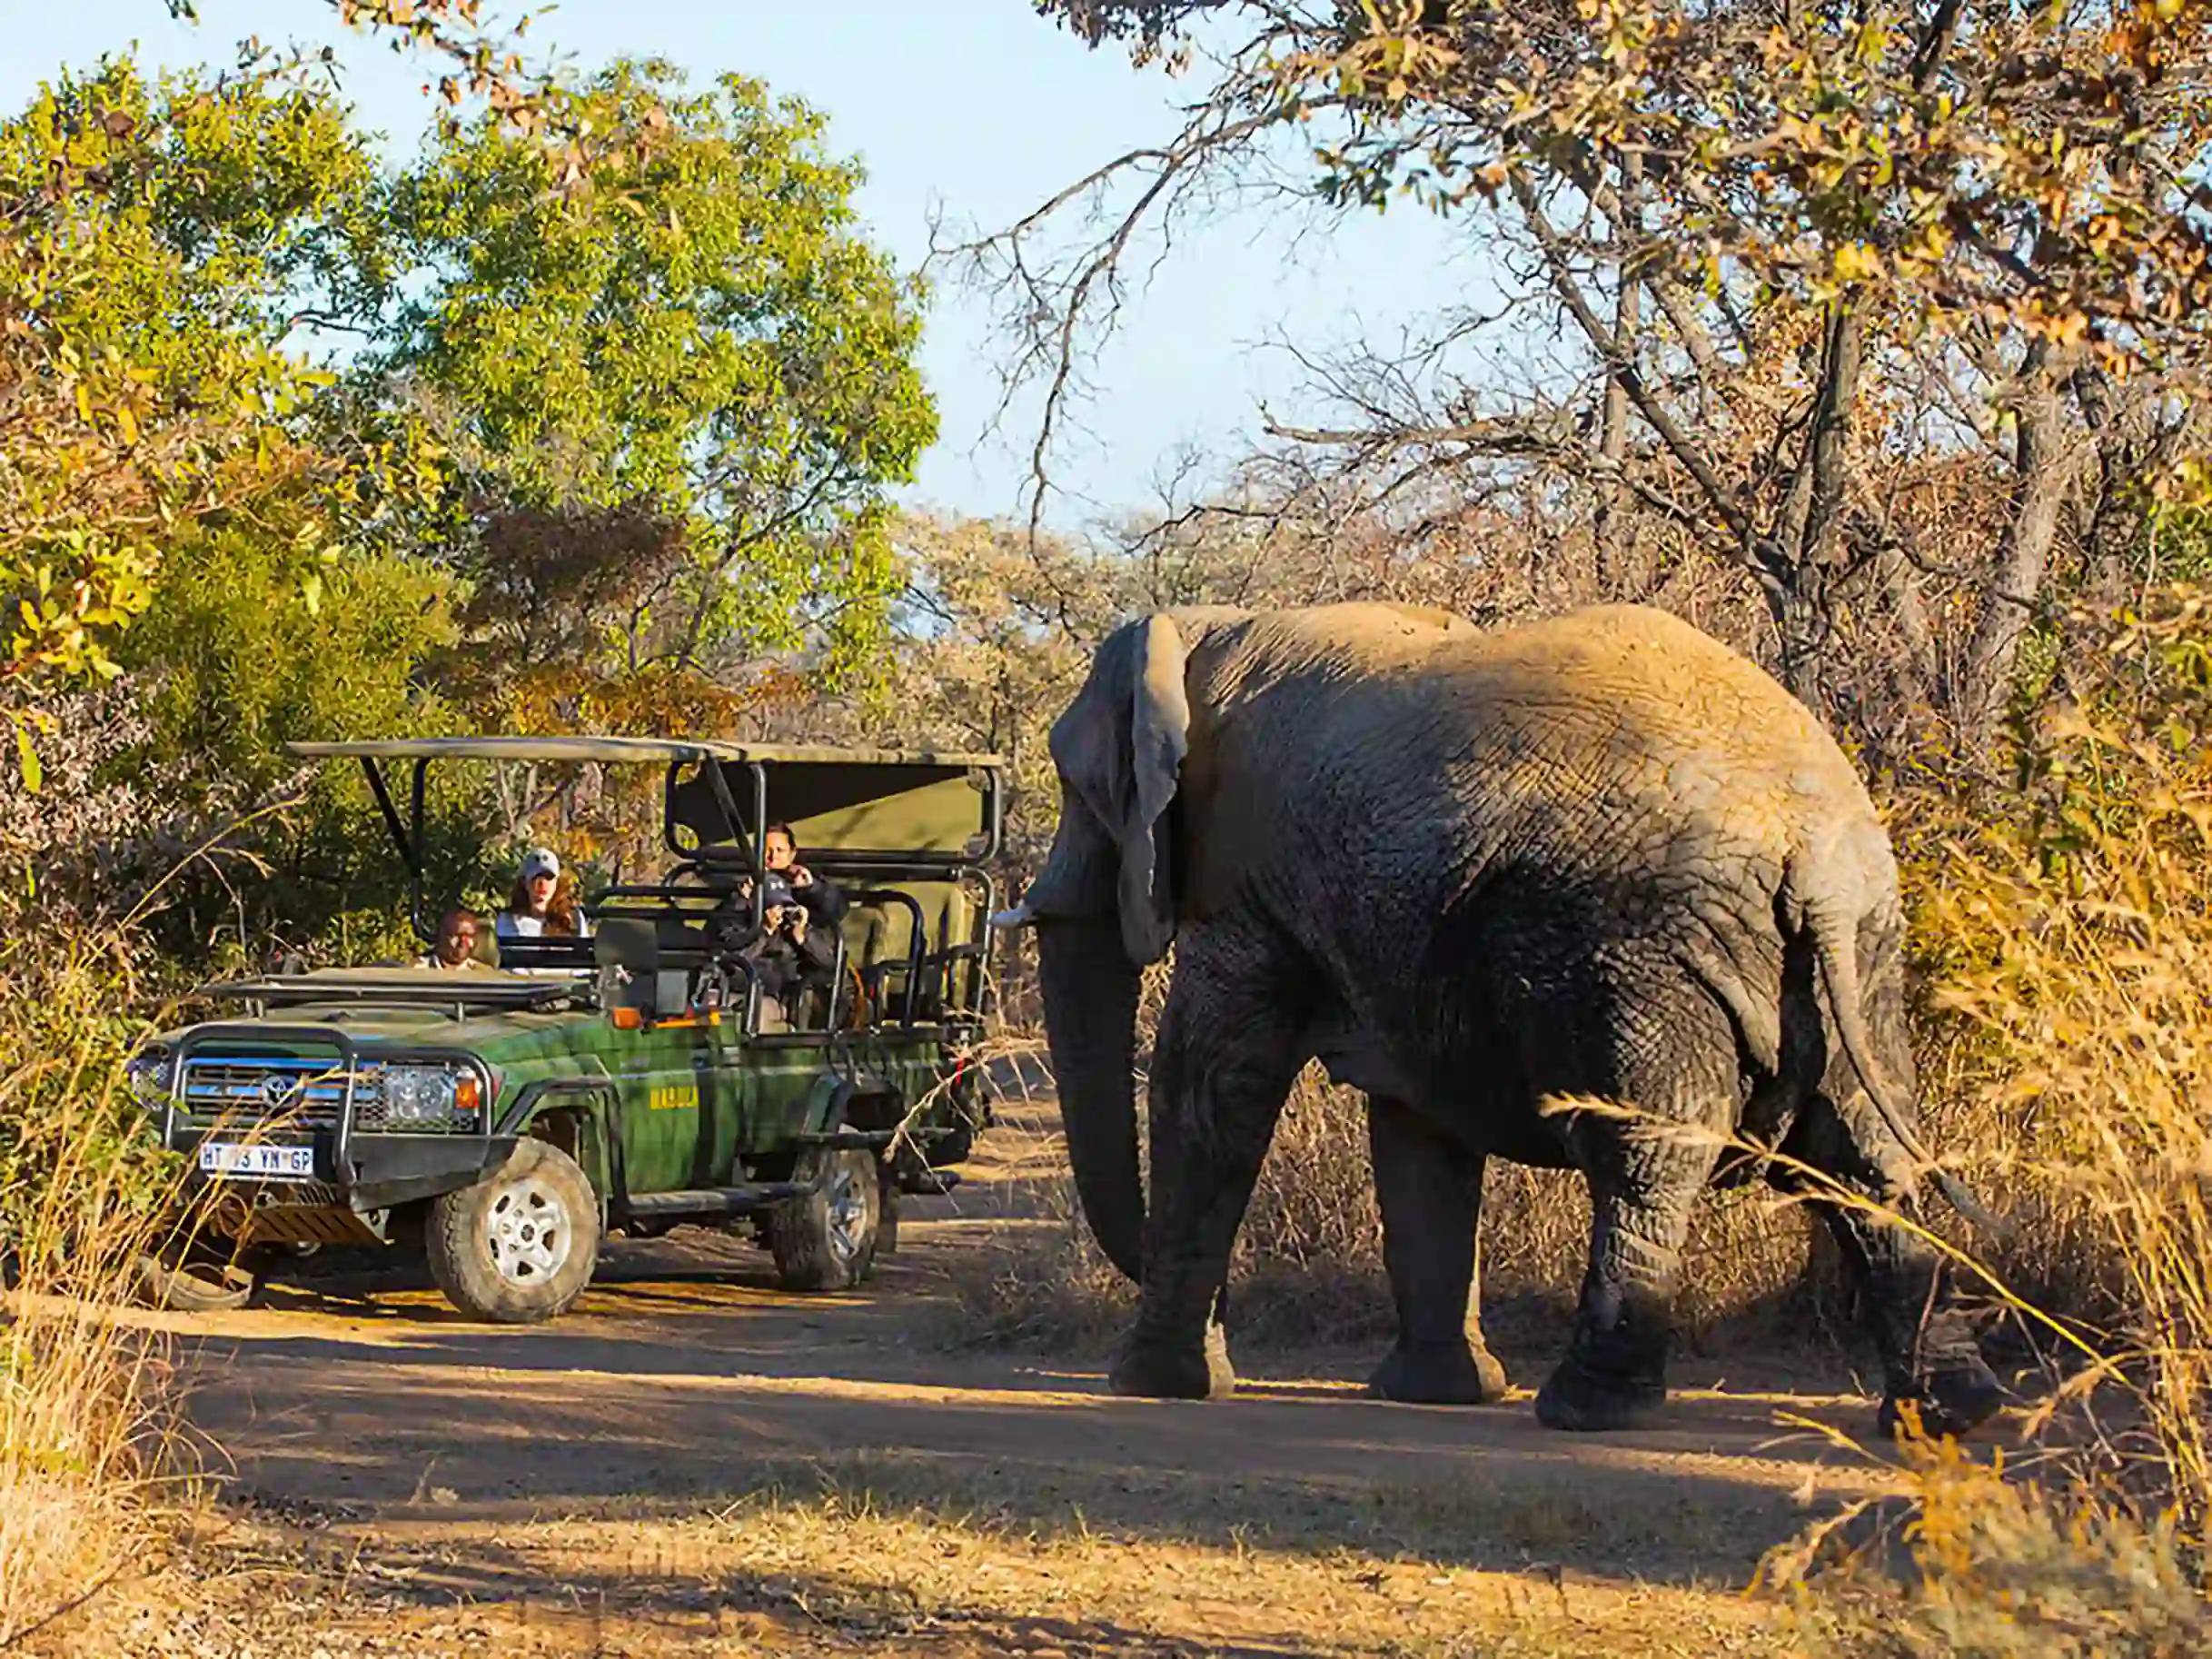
(1090, 989)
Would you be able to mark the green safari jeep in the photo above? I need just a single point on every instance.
(505, 1119)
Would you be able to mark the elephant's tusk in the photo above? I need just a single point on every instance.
(1018, 916)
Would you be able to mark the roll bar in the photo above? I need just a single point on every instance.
(749, 852)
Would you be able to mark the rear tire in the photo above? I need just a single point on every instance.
(519, 1247)
(826, 1240)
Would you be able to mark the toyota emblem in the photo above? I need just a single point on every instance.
(275, 1091)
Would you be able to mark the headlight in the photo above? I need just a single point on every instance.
(147, 1078)
(430, 1097)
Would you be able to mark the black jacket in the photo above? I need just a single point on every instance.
(781, 967)
(824, 904)
(821, 900)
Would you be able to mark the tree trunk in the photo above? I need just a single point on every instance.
(1612, 527)
(2041, 475)
(1612, 520)
(1909, 666)
(1809, 510)
(1801, 631)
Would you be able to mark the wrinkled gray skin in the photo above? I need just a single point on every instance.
(1599, 858)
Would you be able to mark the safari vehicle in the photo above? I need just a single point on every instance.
(502, 1119)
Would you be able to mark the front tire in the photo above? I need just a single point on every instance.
(826, 1240)
(519, 1247)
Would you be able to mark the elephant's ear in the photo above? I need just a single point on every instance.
(1159, 737)
(1119, 750)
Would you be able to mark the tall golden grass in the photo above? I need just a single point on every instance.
(88, 1426)
(2072, 944)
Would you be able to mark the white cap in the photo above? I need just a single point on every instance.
(541, 861)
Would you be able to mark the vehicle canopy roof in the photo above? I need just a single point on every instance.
(875, 806)
(659, 750)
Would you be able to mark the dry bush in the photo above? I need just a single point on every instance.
(2075, 943)
(88, 1426)
(1042, 1284)
(2000, 1570)
(2077, 946)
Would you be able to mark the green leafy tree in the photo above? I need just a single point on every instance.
(230, 666)
(697, 334)
(151, 237)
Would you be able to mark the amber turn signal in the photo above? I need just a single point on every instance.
(468, 1095)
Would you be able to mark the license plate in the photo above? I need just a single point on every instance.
(273, 1163)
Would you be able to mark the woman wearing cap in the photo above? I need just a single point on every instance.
(543, 905)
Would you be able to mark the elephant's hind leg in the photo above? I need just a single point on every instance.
(1932, 1361)
(1675, 1066)
(1227, 1051)
(1430, 1190)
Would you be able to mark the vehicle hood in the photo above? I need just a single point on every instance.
(493, 1035)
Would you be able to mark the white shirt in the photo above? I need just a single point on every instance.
(509, 925)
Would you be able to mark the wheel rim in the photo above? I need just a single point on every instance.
(847, 1215)
(529, 1233)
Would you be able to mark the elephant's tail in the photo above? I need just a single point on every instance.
(1835, 942)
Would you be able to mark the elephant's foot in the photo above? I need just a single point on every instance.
(1448, 1374)
(1951, 1400)
(1585, 1402)
(1613, 1380)
(1153, 1371)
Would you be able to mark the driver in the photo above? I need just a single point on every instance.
(455, 949)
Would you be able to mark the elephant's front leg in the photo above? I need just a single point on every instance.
(1225, 1056)
(1430, 1190)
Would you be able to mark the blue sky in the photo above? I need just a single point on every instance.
(976, 109)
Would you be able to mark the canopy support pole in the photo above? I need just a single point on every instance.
(409, 846)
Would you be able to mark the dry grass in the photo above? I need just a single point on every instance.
(905, 1554)
(2001, 1570)
(2074, 942)
(87, 1418)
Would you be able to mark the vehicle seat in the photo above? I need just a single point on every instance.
(867, 928)
(486, 950)
(878, 937)
(955, 925)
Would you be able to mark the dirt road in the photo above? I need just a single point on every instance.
(692, 1461)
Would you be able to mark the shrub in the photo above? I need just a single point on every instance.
(2073, 938)
(2005, 1570)
(2076, 943)
(86, 1429)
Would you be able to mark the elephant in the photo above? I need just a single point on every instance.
(1593, 891)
